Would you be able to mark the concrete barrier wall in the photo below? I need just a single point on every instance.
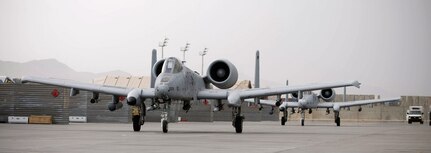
(32, 99)
(26, 100)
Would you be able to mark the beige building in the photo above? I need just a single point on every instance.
(125, 81)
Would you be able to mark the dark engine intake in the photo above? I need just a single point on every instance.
(222, 74)
(327, 94)
(295, 95)
(157, 69)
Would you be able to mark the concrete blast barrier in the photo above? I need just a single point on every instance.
(18, 119)
(77, 119)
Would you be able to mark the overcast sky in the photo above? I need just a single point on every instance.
(385, 44)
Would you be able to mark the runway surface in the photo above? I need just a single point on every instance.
(257, 137)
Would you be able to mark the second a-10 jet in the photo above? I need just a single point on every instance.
(175, 82)
(308, 100)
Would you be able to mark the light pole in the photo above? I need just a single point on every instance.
(184, 49)
(203, 53)
(163, 44)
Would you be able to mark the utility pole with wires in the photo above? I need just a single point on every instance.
(163, 44)
(184, 49)
(203, 53)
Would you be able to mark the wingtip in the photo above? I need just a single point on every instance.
(25, 79)
(356, 84)
(396, 99)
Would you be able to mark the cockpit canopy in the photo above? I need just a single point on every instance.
(172, 65)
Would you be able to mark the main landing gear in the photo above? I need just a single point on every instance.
(284, 117)
(302, 116)
(337, 117)
(138, 117)
(237, 119)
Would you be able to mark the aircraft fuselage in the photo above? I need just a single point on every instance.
(310, 100)
(180, 83)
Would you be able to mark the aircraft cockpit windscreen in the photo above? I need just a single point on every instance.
(172, 65)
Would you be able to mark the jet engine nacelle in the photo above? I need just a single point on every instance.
(222, 74)
(157, 69)
(327, 94)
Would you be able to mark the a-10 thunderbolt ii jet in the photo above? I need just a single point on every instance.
(174, 81)
(309, 100)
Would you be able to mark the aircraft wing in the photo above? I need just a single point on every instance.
(328, 104)
(262, 92)
(356, 103)
(119, 91)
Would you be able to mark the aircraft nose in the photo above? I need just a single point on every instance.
(162, 91)
(302, 102)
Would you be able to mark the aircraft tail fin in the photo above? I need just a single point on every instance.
(287, 95)
(153, 61)
(257, 75)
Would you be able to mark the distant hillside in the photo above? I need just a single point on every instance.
(50, 68)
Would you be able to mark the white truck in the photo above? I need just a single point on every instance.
(415, 114)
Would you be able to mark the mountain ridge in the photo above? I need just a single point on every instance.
(51, 68)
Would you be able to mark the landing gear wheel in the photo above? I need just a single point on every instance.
(136, 123)
(422, 122)
(302, 122)
(165, 126)
(410, 121)
(337, 120)
(238, 124)
(283, 120)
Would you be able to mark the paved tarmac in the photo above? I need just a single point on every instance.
(257, 137)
